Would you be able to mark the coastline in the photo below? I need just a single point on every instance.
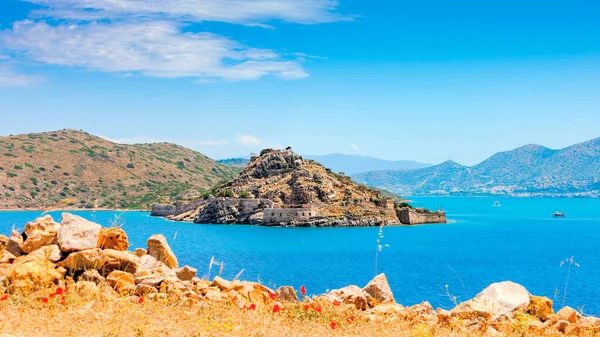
(71, 210)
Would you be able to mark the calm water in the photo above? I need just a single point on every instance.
(519, 241)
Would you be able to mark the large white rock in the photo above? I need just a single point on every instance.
(498, 299)
(379, 289)
(77, 233)
(160, 250)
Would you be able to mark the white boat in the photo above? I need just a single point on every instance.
(558, 215)
(497, 204)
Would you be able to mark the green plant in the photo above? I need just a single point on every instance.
(34, 181)
(11, 174)
(18, 167)
(244, 195)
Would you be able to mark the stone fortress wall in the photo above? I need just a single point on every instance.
(410, 216)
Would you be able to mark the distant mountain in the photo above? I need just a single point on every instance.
(235, 162)
(531, 170)
(43, 169)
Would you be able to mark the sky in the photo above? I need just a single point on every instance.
(420, 80)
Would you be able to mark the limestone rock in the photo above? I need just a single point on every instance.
(160, 250)
(220, 283)
(149, 280)
(540, 307)
(186, 273)
(3, 242)
(6, 256)
(139, 252)
(121, 281)
(121, 260)
(253, 292)
(147, 261)
(84, 260)
(86, 288)
(144, 289)
(42, 232)
(390, 309)
(77, 233)
(498, 299)
(350, 295)
(91, 275)
(287, 294)
(31, 273)
(380, 290)
(112, 238)
(565, 314)
(51, 252)
(14, 243)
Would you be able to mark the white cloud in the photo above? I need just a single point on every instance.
(247, 140)
(156, 49)
(354, 146)
(251, 12)
(9, 77)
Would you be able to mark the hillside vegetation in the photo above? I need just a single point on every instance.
(43, 169)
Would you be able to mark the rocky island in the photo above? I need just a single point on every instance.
(280, 188)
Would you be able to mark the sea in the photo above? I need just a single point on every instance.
(518, 241)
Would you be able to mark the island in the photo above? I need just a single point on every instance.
(280, 188)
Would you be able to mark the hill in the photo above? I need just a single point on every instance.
(43, 169)
(531, 170)
(349, 164)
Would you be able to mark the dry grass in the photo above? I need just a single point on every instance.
(91, 314)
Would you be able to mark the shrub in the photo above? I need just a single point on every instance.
(404, 204)
(244, 195)
(10, 155)
(28, 165)
(18, 167)
(34, 181)
(130, 165)
(11, 174)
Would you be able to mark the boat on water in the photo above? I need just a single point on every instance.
(497, 204)
(558, 215)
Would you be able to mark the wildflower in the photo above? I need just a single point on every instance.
(4, 298)
(59, 291)
(337, 303)
(319, 309)
(333, 324)
(45, 299)
(303, 290)
(306, 307)
(273, 296)
(63, 303)
(66, 288)
(52, 295)
(252, 307)
(276, 308)
(350, 319)
(140, 300)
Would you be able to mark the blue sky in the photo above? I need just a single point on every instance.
(422, 80)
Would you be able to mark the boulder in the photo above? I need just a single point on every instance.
(77, 233)
(14, 243)
(253, 292)
(186, 273)
(149, 280)
(565, 314)
(496, 300)
(350, 295)
(220, 283)
(380, 290)
(144, 289)
(147, 261)
(160, 250)
(287, 294)
(139, 252)
(51, 252)
(28, 274)
(6, 256)
(121, 260)
(84, 260)
(122, 282)
(112, 238)
(39, 233)
(3, 242)
(91, 275)
(541, 308)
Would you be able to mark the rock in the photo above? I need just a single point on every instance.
(28, 274)
(3, 242)
(221, 283)
(77, 233)
(14, 243)
(565, 314)
(121, 260)
(86, 288)
(6, 256)
(144, 289)
(579, 330)
(253, 292)
(161, 269)
(121, 281)
(112, 238)
(424, 308)
(139, 252)
(287, 294)
(51, 252)
(92, 275)
(84, 260)
(498, 299)
(160, 250)
(231, 211)
(561, 325)
(215, 295)
(42, 232)
(186, 273)
(162, 210)
(392, 309)
(350, 295)
(379, 289)
(147, 261)
(149, 280)
(541, 308)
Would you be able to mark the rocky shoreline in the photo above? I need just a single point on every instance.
(80, 256)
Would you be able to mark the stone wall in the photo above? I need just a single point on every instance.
(182, 207)
(409, 216)
(279, 215)
(233, 211)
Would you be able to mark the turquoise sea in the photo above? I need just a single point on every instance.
(519, 241)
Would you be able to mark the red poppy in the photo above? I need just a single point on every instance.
(63, 303)
(252, 307)
(306, 306)
(303, 290)
(52, 295)
(4, 298)
(276, 308)
(337, 303)
(66, 288)
(45, 299)
(319, 309)
(273, 296)
(333, 324)
(59, 291)
(350, 319)
(140, 300)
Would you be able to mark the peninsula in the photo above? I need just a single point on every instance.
(280, 188)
